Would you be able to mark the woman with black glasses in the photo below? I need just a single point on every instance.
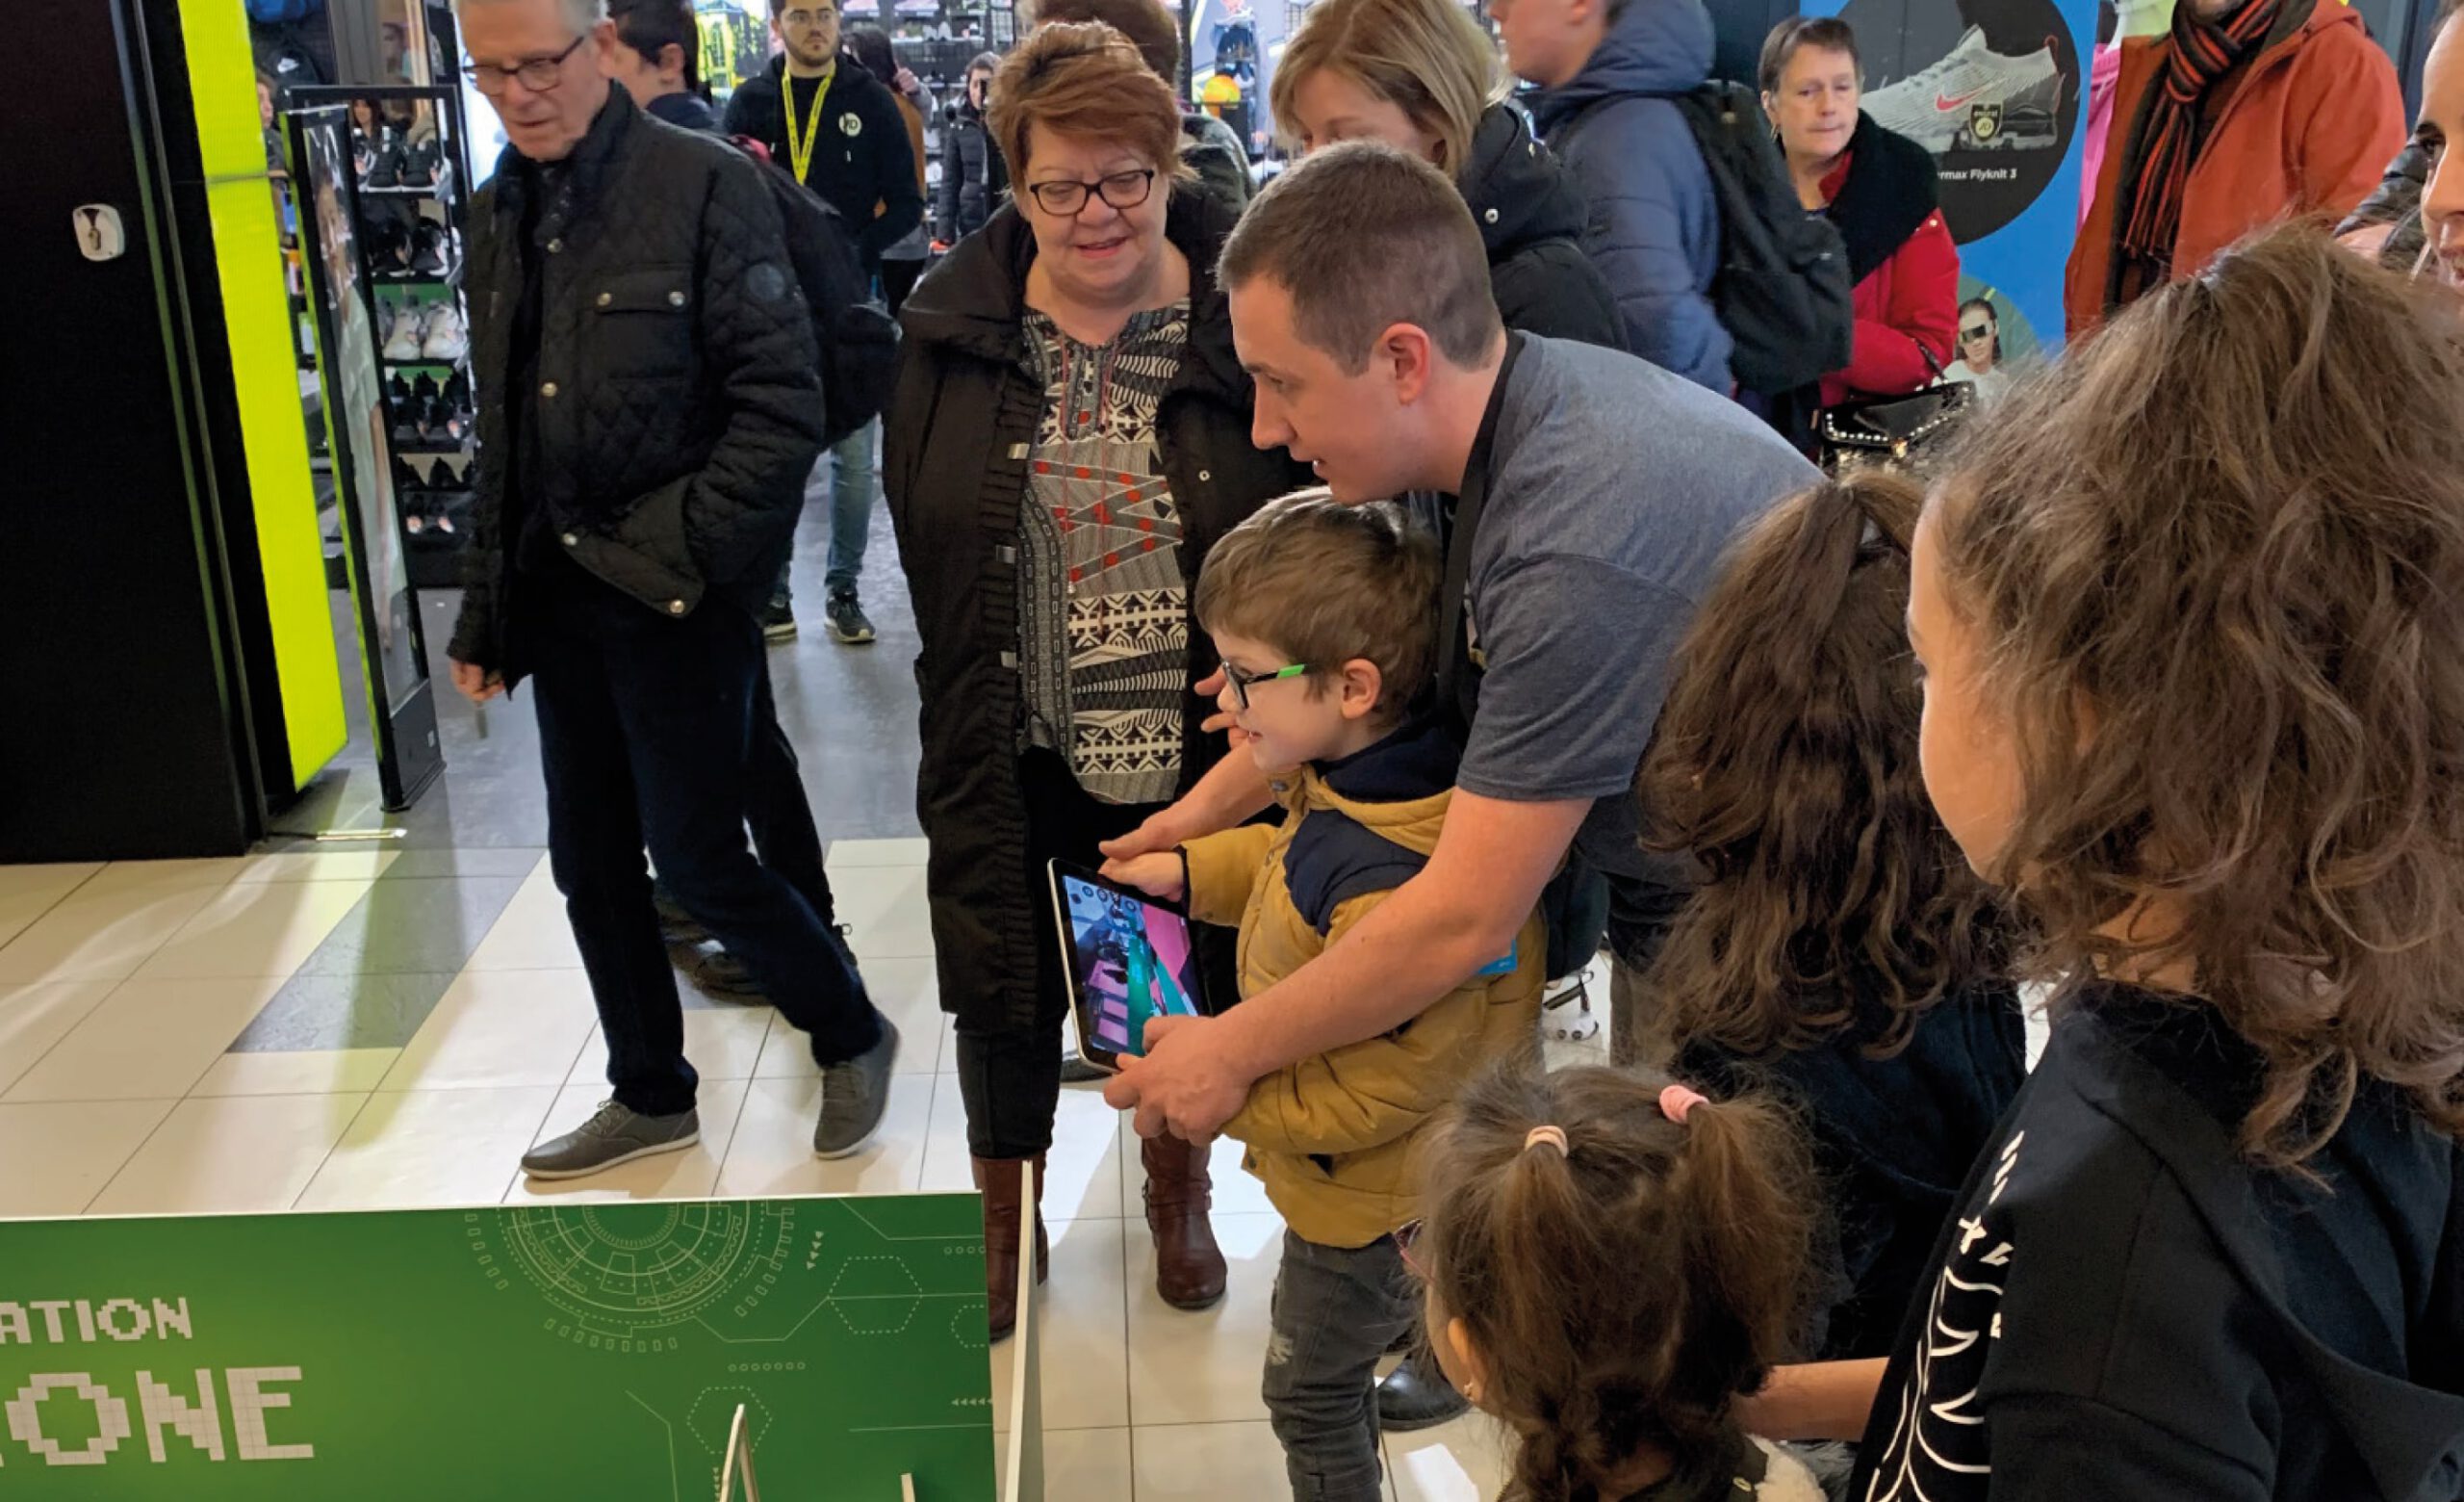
(1070, 434)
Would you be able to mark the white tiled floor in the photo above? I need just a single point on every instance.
(122, 987)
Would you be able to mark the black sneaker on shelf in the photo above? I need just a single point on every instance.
(397, 391)
(382, 236)
(388, 170)
(778, 621)
(424, 389)
(457, 391)
(427, 242)
(405, 478)
(848, 622)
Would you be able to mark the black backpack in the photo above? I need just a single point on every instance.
(1782, 286)
(858, 341)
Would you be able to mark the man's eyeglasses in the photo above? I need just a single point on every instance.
(1239, 679)
(1065, 198)
(537, 74)
(1975, 331)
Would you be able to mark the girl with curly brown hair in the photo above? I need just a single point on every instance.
(2192, 615)
(1838, 952)
(1610, 1262)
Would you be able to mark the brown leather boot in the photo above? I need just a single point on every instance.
(1188, 1266)
(999, 1179)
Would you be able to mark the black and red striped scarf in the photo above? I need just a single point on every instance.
(2201, 53)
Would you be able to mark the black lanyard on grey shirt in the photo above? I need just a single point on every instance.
(1457, 689)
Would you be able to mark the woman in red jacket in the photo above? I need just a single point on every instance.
(1877, 186)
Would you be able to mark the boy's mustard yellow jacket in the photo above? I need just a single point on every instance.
(1332, 1136)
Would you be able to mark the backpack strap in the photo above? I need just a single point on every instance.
(1457, 690)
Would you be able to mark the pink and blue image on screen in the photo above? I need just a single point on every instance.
(1134, 963)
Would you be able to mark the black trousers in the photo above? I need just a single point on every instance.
(646, 731)
(777, 810)
(1010, 1077)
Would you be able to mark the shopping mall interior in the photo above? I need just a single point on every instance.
(278, 933)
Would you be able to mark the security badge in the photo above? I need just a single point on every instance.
(1985, 120)
(850, 124)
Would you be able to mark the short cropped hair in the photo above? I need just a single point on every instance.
(650, 26)
(1084, 80)
(1364, 237)
(1328, 583)
(1828, 32)
(1149, 27)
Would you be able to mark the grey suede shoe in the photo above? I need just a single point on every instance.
(854, 1095)
(612, 1135)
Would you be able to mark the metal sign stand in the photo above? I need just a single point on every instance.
(738, 1462)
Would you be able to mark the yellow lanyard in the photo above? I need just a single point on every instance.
(800, 151)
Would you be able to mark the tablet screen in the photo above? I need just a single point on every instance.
(1133, 959)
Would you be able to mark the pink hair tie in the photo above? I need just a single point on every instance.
(1555, 1136)
(1677, 1100)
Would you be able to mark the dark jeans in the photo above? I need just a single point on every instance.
(1336, 1310)
(1010, 1077)
(778, 809)
(646, 729)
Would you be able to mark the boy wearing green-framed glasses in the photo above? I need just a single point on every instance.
(1326, 618)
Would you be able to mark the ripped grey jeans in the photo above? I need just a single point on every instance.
(1336, 1310)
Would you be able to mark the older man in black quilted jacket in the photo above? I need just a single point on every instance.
(652, 405)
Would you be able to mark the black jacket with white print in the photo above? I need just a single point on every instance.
(2126, 1307)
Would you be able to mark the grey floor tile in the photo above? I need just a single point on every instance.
(405, 927)
(375, 1011)
(516, 861)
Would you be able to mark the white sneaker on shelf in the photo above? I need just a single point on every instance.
(445, 339)
(1975, 99)
(402, 340)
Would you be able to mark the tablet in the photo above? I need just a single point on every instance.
(1128, 958)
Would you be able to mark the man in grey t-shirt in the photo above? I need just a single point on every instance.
(1607, 490)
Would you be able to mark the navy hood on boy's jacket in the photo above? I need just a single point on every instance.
(1654, 227)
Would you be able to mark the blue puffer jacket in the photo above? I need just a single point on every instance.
(1655, 228)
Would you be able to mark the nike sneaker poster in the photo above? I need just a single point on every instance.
(1994, 89)
(1991, 88)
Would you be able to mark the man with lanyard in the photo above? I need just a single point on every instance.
(839, 129)
(1596, 495)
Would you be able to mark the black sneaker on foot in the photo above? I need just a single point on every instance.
(847, 620)
(718, 974)
(777, 622)
(1416, 1395)
(675, 927)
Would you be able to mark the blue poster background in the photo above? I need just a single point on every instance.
(2020, 264)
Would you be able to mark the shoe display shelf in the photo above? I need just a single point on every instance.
(409, 148)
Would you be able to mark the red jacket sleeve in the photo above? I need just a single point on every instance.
(2347, 123)
(1914, 295)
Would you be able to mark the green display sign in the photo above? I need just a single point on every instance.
(595, 1352)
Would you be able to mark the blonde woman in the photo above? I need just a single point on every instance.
(1422, 76)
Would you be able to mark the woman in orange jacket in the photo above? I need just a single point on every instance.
(2247, 112)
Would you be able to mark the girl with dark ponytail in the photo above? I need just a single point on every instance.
(1611, 1261)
